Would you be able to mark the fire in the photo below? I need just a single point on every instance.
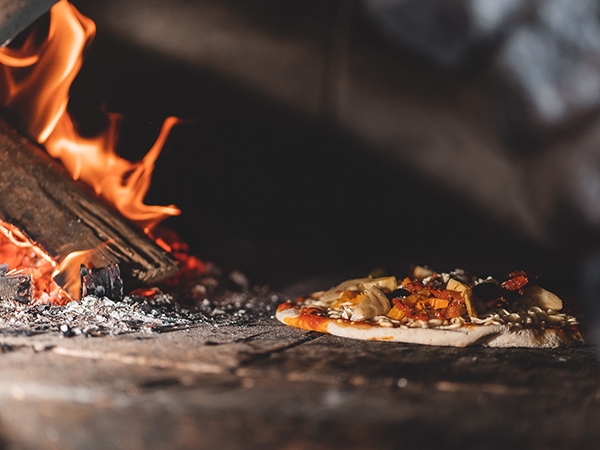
(69, 270)
(35, 79)
(25, 257)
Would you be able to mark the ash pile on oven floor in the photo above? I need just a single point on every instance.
(212, 300)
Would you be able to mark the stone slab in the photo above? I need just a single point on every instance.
(269, 386)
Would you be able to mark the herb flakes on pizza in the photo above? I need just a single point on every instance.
(446, 309)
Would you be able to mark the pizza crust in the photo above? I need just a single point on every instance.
(532, 338)
(466, 335)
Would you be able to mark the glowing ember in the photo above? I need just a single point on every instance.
(36, 79)
(190, 267)
(25, 257)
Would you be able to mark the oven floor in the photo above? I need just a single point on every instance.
(270, 386)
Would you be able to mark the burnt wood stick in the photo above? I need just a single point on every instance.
(102, 282)
(63, 216)
(15, 287)
(19, 14)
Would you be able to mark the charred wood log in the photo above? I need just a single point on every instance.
(17, 288)
(102, 282)
(16, 15)
(62, 216)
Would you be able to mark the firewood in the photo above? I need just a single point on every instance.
(17, 288)
(63, 216)
(102, 282)
(18, 15)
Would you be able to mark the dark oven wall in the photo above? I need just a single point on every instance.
(348, 135)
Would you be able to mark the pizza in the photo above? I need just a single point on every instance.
(431, 308)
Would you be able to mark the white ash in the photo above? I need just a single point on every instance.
(93, 316)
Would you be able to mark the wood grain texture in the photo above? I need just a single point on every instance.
(62, 216)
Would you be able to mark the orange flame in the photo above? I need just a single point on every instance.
(36, 79)
(69, 269)
(25, 257)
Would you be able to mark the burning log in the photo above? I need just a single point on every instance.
(60, 215)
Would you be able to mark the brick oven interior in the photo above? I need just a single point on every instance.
(324, 140)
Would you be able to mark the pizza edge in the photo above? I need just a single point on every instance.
(467, 335)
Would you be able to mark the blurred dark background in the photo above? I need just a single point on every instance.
(337, 136)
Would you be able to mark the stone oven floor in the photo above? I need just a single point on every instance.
(265, 385)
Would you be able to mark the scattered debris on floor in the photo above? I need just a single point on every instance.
(212, 300)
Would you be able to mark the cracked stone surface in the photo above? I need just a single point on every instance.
(270, 386)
